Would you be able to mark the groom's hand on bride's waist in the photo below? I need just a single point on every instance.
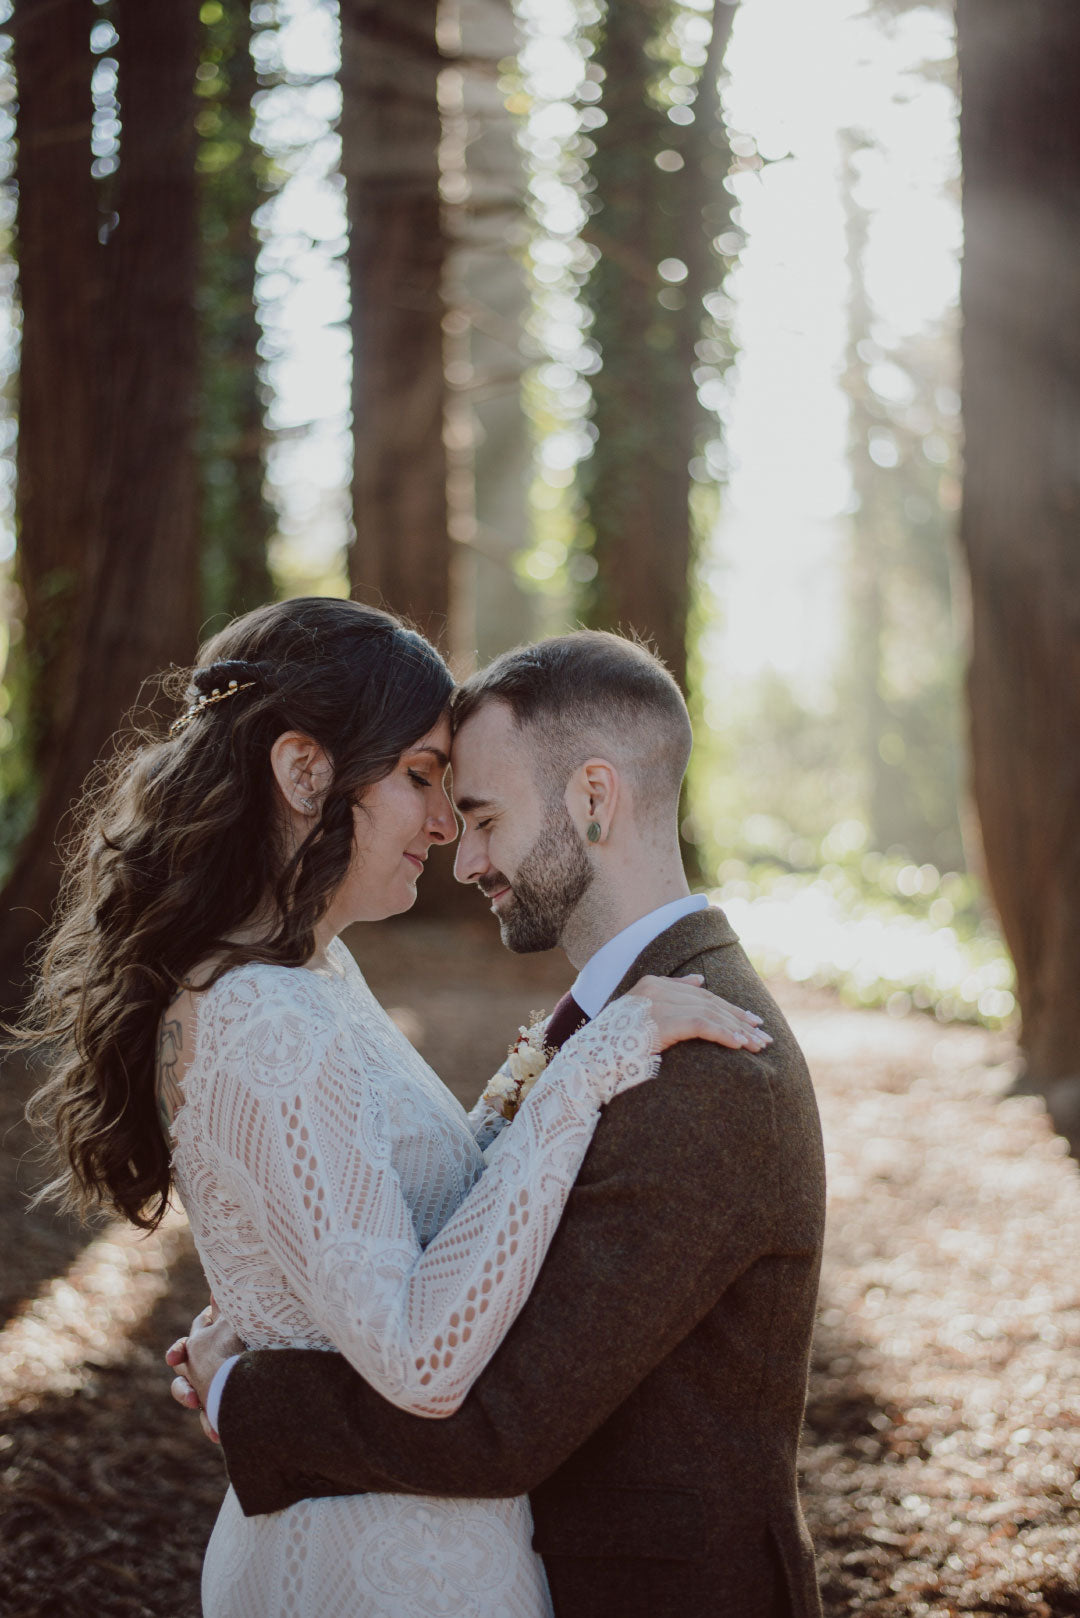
(196, 1358)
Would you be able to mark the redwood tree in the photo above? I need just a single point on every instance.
(108, 501)
(390, 132)
(647, 416)
(60, 292)
(237, 519)
(1020, 140)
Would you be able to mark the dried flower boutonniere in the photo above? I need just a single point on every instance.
(526, 1061)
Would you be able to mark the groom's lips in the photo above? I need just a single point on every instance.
(498, 894)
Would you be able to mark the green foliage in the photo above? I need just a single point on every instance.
(237, 521)
(880, 929)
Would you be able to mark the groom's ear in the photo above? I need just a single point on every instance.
(591, 798)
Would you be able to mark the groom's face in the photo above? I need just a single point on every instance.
(521, 849)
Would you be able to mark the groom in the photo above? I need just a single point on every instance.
(649, 1398)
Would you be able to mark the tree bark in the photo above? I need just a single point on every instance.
(237, 519)
(489, 443)
(1020, 140)
(144, 598)
(137, 567)
(390, 133)
(60, 292)
(647, 416)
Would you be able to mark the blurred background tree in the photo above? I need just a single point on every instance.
(390, 133)
(656, 206)
(1020, 134)
(903, 668)
(487, 296)
(234, 179)
(108, 503)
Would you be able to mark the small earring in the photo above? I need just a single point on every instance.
(592, 831)
(308, 804)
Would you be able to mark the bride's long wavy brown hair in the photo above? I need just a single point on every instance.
(178, 845)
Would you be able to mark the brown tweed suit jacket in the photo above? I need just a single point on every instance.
(649, 1398)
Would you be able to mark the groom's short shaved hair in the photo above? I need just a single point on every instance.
(591, 694)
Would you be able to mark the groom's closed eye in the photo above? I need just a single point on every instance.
(482, 809)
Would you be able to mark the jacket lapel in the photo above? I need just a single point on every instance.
(671, 950)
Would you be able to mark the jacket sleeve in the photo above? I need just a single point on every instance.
(676, 1197)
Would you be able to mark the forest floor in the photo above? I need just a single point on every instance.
(942, 1444)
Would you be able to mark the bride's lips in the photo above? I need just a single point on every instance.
(416, 860)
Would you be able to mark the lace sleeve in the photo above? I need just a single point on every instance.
(308, 1134)
(485, 1123)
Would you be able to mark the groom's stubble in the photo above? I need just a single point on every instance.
(550, 883)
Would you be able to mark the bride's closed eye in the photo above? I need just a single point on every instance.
(420, 780)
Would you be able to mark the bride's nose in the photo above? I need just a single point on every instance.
(441, 824)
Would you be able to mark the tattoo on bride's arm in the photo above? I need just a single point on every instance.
(170, 1094)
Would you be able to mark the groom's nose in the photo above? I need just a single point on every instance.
(470, 861)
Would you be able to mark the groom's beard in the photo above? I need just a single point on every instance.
(550, 883)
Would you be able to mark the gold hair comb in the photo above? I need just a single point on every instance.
(207, 702)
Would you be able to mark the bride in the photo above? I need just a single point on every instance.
(208, 1033)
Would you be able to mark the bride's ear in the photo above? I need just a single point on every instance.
(302, 770)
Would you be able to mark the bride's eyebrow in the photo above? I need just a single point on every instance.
(437, 754)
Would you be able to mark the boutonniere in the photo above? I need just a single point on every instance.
(527, 1059)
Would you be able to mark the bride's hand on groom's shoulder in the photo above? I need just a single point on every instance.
(681, 1009)
(196, 1357)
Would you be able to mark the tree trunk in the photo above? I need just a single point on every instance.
(870, 528)
(646, 414)
(390, 132)
(1020, 139)
(60, 290)
(144, 606)
(137, 596)
(237, 520)
(487, 292)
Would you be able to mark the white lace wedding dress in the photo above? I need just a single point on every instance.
(339, 1198)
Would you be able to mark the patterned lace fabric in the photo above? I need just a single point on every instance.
(339, 1198)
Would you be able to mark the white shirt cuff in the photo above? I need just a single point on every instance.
(217, 1388)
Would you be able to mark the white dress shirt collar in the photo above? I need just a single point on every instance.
(602, 974)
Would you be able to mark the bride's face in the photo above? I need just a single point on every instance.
(397, 822)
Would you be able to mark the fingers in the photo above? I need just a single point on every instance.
(204, 1423)
(748, 1017)
(686, 996)
(732, 1034)
(201, 1322)
(714, 1022)
(177, 1353)
(184, 1393)
(682, 1009)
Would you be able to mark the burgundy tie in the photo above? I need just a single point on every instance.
(566, 1019)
